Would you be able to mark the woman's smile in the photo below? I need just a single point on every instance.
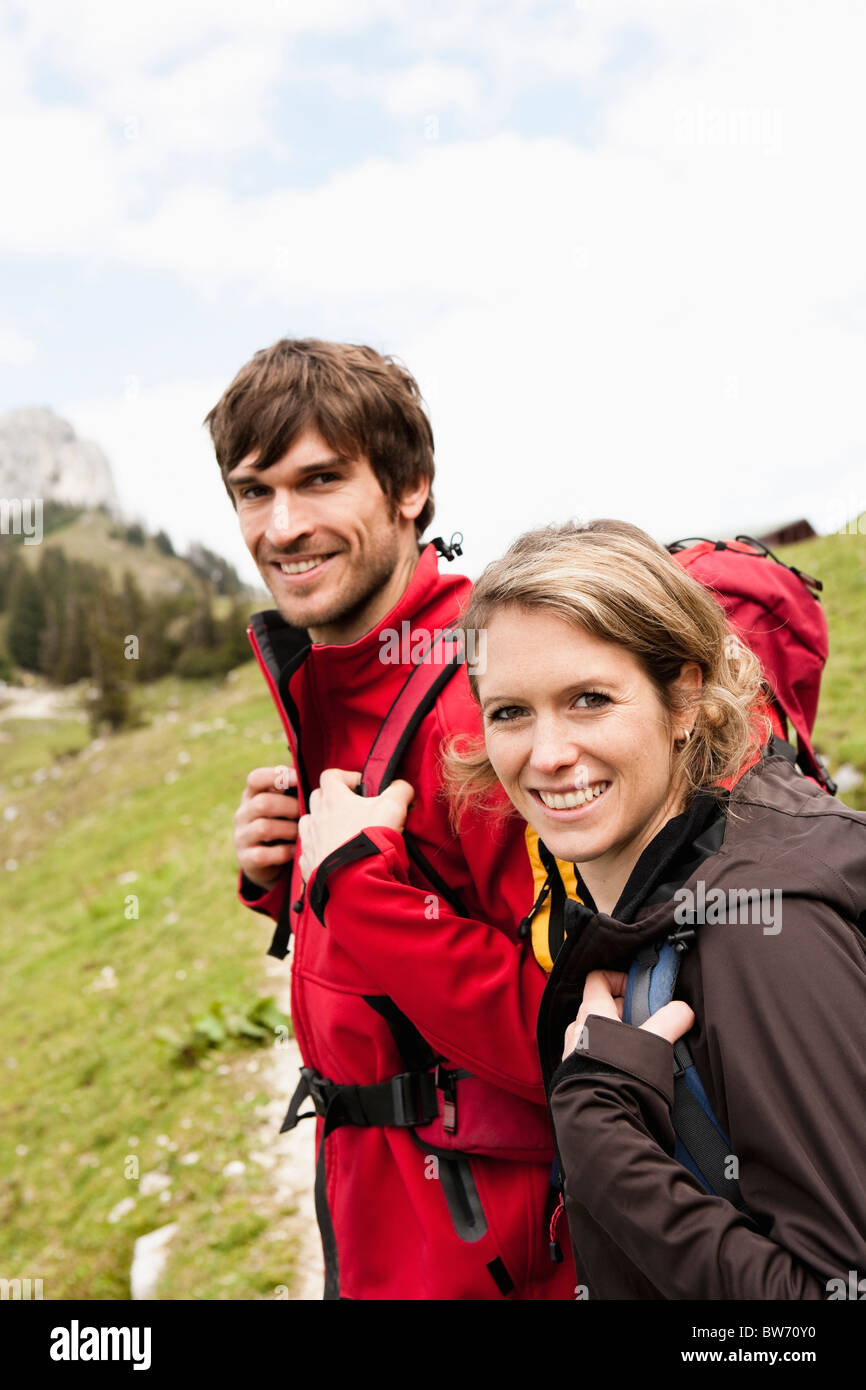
(570, 804)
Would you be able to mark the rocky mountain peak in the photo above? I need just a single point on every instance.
(41, 456)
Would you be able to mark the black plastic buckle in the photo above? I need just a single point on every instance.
(681, 940)
(320, 1089)
(414, 1097)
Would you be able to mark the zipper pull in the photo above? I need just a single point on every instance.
(524, 928)
(446, 1083)
(554, 1245)
(298, 904)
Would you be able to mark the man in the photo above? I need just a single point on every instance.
(414, 997)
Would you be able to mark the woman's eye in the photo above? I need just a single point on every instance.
(595, 699)
(504, 714)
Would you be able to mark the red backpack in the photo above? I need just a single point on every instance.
(774, 609)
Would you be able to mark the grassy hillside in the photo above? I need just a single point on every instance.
(89, 538)
(88, 1088)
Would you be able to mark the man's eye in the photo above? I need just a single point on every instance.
(596, 699)
(504, 714)
(324, 477)
(250, 493)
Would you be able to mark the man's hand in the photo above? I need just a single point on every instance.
(338, 815)
(604, 993)
(266, 824)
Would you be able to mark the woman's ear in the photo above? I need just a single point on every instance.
(688, 685)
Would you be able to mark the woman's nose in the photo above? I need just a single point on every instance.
(554, 746)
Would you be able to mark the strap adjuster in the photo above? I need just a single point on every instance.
(414, 1097)
(682, 1058)
(318, 1088)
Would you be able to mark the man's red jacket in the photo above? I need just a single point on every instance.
(400, 1218)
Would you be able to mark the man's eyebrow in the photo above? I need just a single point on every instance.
(252, 473)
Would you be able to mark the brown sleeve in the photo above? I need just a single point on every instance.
(611, 1109)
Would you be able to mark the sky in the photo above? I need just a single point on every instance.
(619, 243)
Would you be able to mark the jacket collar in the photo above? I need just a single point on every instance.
(355, 668)
(594, 940)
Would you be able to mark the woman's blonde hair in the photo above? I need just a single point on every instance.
(615, 582)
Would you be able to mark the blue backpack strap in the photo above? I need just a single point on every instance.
(701, 1144)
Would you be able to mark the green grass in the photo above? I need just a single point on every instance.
(91, 1099)
(28, 745)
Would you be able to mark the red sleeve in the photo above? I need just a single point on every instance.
(266, 900)
(472, 990)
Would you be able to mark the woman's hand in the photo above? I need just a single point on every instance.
(604, 993)
(337, 815)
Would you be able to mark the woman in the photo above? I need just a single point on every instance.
(627, 730)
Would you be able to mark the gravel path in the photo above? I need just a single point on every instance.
(293, 1174)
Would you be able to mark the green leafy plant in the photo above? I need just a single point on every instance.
(226, 1020)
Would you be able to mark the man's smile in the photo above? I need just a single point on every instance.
(301, 567)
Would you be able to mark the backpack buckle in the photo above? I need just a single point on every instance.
(414, 1096)
(319, 1088)
(681, 940)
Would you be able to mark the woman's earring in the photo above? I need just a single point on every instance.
(687, 733)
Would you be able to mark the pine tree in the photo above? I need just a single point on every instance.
(26, 620)
(111, 705)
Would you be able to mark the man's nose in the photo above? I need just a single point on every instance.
(287, 521)
(554, 746)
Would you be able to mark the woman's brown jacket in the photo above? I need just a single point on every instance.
(779, 1043)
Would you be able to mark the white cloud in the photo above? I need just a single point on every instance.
(215, 102)
(16, 349)
(431, 87)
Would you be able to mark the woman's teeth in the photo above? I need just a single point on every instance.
(568, 801)
(300, 566)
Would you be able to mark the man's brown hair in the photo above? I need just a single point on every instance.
(359, 401)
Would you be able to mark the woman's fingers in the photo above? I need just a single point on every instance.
(671, 1021)
(598, 993)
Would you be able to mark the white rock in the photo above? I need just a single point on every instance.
(153, 1182)
(123, 1208)
(148, 1261)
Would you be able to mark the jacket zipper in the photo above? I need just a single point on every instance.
(554, 1245)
